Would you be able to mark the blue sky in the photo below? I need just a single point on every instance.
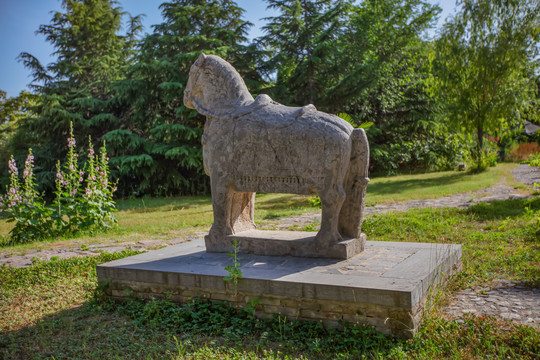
(19, 19)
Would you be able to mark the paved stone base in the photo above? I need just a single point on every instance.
(285, 243)
(385, 286)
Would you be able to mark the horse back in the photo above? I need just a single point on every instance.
(281, 149)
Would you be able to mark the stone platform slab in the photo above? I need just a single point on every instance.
(385, 286)
(285, 243)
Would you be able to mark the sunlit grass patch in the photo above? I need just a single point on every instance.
(474, 337)
(438, 184)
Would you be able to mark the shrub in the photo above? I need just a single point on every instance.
(84, 199)
(534, 160)
(23, 205)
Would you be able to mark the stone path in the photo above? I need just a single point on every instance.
(78, 249)
(526, 174)
(503, 299)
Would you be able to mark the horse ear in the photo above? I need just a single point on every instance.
(201, 58)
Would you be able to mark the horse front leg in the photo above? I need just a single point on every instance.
(222, 194)
(242, 210)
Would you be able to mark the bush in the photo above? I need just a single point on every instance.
(24, 206)
(523, 151)
(436, 153)
(534, 160)
(84, 199)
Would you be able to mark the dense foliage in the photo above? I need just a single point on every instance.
(373, 60)
(76, 88)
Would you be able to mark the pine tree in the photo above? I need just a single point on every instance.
(302, 44)
(91, 53)
(156, 146)
(12, 111)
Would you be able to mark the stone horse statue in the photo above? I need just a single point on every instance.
(259, 145)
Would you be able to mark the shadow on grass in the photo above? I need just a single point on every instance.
(389, 186)
(503, 209)
(137, 329)
(147, 204)
(84, 332)
(284, 202)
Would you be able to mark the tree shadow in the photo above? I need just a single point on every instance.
(497, 210)
(390, 186)
(138, 329)
(150, 204)
(83, 332)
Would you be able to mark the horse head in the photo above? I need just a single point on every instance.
(215, 88)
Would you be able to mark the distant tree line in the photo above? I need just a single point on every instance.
(431, 101)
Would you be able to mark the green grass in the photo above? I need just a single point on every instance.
(53, 310)
(176, 217)
(435, 185)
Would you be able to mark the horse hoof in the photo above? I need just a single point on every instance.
(327, 238)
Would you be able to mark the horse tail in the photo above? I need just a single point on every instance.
(355, 183)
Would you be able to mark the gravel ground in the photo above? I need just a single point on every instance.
(526, 174)
(502, 299)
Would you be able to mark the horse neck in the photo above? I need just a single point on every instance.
(242, 97)
(236, 94)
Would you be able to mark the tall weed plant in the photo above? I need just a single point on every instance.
(83, 201)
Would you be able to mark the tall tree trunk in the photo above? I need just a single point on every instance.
(480, 144)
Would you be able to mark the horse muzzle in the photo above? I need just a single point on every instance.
(187, 100)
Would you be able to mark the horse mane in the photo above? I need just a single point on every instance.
(225, 93)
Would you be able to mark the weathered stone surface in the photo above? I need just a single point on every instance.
(259, 145)
(385, 286)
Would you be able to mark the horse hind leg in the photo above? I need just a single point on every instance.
(355, 183)
(331, 201)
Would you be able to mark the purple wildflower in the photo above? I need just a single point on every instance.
(71, 142)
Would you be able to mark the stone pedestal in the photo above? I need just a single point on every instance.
(285, 243)
(385, 286)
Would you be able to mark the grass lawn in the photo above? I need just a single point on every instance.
(53, 310)
(173, 217)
